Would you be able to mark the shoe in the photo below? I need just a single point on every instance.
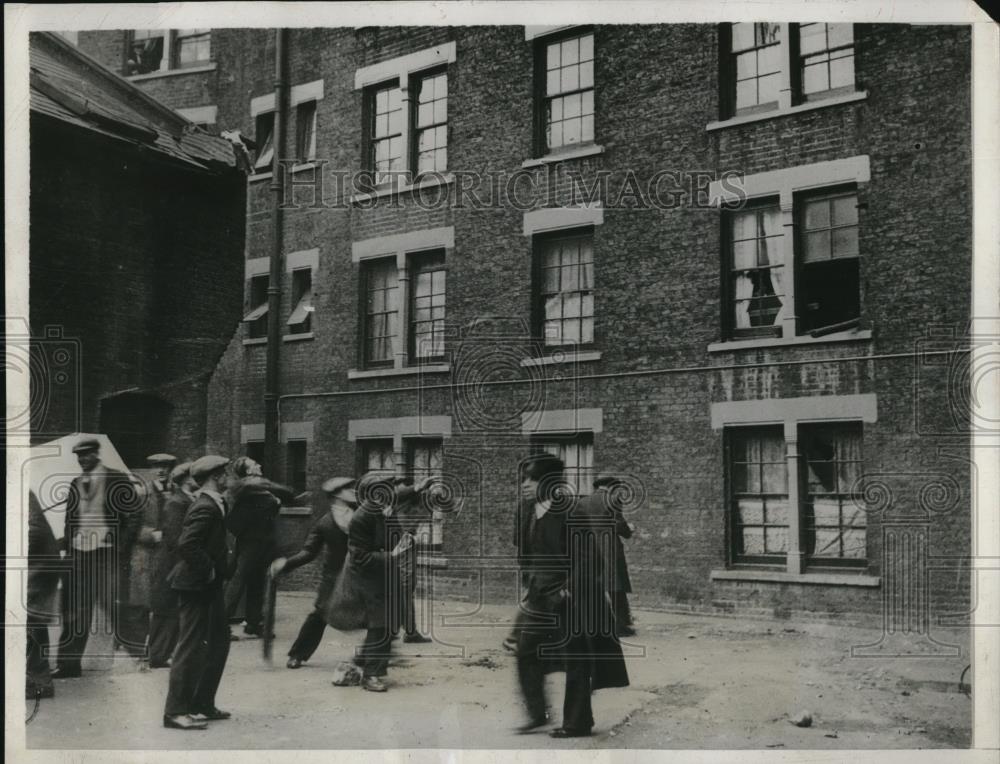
(294, 663)
(233, 637)
(64, 673)
(160, 664)
(213, 714)
(183, 722)
(562, 732)
(531, 726)
(373, 684)
(510, 645)
(416, 637)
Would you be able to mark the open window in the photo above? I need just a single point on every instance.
(256, 317)
(829, 288)
(265, 142)
(305, 131)
(300, 320)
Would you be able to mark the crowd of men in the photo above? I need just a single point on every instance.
(171, 561)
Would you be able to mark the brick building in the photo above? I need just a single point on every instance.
(136, 240)
(730, 261)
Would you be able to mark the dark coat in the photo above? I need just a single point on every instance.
(568, 577)
(163, 600)
(601, 504)
(201, 548)
(145, 550)
(324, 534)
(371, 537)
(44, 564)
(255, 502)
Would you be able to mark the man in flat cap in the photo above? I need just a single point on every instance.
(101, 511)
(203, 633)
(606, 502)
(329, 531)
(146, 550)
(163, 599)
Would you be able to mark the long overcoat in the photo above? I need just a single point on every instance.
(163, 599)
(570, 585)
(375, 574)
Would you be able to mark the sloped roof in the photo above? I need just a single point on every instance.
(69, 86)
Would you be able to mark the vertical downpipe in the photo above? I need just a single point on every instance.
(272, 383)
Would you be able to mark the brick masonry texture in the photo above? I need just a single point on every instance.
(657, 292)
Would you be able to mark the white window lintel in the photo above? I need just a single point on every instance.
(560, 218)
(257, 266)
(401, 243)
(790, 180)
(403, 65)
(396, 427)
(793, 411)
(563, 421)
(306, 258)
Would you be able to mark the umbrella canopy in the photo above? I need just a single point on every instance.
(52, 467)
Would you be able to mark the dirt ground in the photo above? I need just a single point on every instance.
(697, 682)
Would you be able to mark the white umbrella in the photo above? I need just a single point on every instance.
(52, 467)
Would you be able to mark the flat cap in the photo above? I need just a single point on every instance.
(206, 465)
(335, 484)
(180, 471)
(87, 444)
(161, 459)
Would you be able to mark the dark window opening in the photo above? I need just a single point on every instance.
(300, 320)
(256, 318)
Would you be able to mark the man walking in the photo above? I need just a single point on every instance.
(203, 634)
(565, 621)
(330, 531)
(163, 599)
(605, 503)
(100, 529)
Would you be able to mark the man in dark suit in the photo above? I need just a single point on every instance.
(565, 621)
(203, 633)
(605, 502)
(330, 531)
(163, 599)
(43, 579)
(102, 510)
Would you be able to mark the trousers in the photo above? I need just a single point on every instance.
(373, 655)
(252, 559)
(201, 653)
(309, 636)
(162, 637)
(92, 580)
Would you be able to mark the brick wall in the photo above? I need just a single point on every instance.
(657, 275)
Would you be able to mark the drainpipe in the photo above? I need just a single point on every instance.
(272, 383)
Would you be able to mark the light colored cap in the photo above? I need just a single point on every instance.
(335, 484)
(206, 465)
(87, 444)
(178, 472)
(161, 459)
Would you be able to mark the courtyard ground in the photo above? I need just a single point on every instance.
(697, 682)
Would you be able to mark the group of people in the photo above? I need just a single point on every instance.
(571, 617)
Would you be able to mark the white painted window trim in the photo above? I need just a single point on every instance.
(308, 91)
(254, 433)
(256, 266)
(402, 66)
(210, 67)
(560, 218)
(203, 114)
(562, 421)
(780, 576)
(785, 184)
(559, 155)
(427, 368)
(403, 427)
(761, 116)
(306, 258)
(403, 243)
(563, 356)
(790, 413)
(755, 343)
(533, 32)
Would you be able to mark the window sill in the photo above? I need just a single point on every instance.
(255, 341)
(767, 342)
(432, 561)
(437, 368)
(583, 151)
(861, 95)
(260, 176)
(431, 181)
(561, 356)
(172, 72)
(781, 577)
(296, 511)
(297, 337)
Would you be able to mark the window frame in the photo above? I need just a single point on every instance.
(436, 523)
(177, 44)
(540, 241)
(364, 448)
(299, 294)
(264, 158)
(369, 139)
(578, 438)
(170, 58)
(728, 270)
(733, 524)
(540, 59)
(416, 79)
(306, 128)
(790, 90)
(253, 306)
(435, 261)
(367, 268)
(291, 445)
(800, 202)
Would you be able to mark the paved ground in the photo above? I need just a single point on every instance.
(697, 682)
